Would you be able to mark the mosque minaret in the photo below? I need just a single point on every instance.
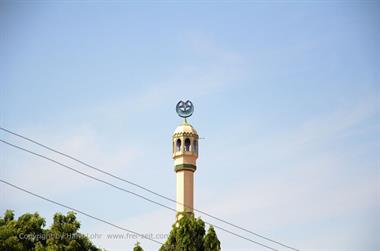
(185, 154)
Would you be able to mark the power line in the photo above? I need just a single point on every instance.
(79, 211)
(144, 188)
(127, 191)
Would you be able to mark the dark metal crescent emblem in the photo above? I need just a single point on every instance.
(185, 109)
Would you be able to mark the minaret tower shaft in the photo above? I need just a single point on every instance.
(185, 153)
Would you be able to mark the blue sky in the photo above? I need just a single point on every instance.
(286, 95)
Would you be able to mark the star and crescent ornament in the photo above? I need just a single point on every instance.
(185, 108)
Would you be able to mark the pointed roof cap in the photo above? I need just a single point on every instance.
(185, 129)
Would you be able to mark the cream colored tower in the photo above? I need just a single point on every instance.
(185, 154)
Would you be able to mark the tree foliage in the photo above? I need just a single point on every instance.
(28, 233)
(188, 234)
(211, 241)
(138, 247)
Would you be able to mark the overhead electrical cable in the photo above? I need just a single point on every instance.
(80, 212)
(128, 191)
(142, 187)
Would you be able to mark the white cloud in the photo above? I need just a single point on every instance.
(218, 68)
(303, 182)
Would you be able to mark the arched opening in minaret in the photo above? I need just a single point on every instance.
(195, 146)
(187, 145)
(178, 145)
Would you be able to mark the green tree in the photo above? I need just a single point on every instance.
(20, 234)
(64, 235)
(188, 234)
(211, 241)
(28, 233)
(138, 247)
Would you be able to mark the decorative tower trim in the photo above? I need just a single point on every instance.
(185, 166)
